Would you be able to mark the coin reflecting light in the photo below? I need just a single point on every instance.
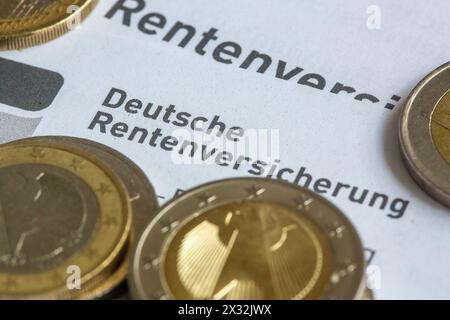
(248, 239)
(141, 197)
(250, 250)
(25, 23)
(440, 126)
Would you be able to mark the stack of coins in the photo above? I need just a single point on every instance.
(74, 214)
(26, 23)
(69, 211)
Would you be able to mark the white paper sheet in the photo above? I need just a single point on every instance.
(381, 51)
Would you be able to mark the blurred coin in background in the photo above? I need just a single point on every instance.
(425, 134)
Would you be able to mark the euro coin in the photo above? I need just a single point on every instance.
(141, 195)
(26, 23)
(140, 190)
(111, 285)
(249, 239)
(367, 295)
(425, 134)
(64, 221)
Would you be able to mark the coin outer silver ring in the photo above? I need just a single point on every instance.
(147, 279)
(423, 160)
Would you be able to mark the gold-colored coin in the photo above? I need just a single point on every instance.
(249, 239)
(61, 211)
(26, 23)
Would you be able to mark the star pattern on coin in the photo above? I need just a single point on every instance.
(159, 295)
(110, 221)
(77, 164)
(206, 199)
(10, 283)
(55, 277)
(37, 153)
(254, 192)
(104, 188)
(336, 231)
(303, 202)
(168, 224)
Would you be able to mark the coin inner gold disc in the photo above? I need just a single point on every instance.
(248, 250)
(440, 126)
(46, 215)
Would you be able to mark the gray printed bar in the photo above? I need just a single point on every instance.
(13, 127)
(27, 87)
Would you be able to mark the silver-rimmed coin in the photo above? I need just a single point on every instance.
(425, 134)
(249, 238)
